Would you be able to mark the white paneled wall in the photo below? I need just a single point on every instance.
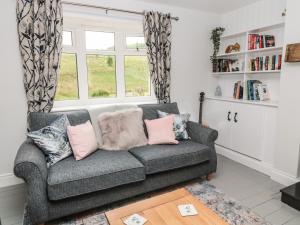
(287, 155)
(259, 14)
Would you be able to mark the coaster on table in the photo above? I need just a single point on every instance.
(187, 210)
(135, 219)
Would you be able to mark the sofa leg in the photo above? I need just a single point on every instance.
(209, 176)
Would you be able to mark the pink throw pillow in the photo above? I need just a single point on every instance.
(82, 139)
(160, 131)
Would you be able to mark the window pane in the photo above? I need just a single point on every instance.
(99, 40)
(67, 38)
(137, 76)
(67, 88)
(135, 42)
(101, 76)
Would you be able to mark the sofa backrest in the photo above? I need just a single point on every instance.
(95, 111)
(150, 110)
(38, 120)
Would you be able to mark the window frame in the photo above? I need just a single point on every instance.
(79, 48)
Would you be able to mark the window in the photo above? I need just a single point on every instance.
(133, 42)
(101, 75)
(67, 38)
(107, 64)
(67, 88)
(137, 79)
(99, 40)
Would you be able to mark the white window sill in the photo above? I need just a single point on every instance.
(77, 104)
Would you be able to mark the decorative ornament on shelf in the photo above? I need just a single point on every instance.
(218, 91)
(233, 48)
(283, 14)
(216, 39)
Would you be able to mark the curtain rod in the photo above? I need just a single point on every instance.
(109, 9)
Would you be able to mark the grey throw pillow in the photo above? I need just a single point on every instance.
(53, 140)
(180, 121)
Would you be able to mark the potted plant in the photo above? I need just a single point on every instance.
(216, 39)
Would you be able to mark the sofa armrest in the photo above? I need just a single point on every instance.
(30, 164)
(201, 134)
(205, 136)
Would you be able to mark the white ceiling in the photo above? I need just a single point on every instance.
(217, 6)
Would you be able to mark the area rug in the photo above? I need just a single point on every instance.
(227, 208)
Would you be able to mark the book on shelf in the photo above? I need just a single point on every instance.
(238, 90)
(228, 65)
(265, 63)
(256, 41)
(257, 91)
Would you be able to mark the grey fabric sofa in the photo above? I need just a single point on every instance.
(105, 177)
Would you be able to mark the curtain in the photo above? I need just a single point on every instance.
(40, 40)
(157, 31)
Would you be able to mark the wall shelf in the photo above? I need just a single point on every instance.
(228, 73)
(231, 54)
(270, 49)
(268, 103)
(226, 80)
(263, 71)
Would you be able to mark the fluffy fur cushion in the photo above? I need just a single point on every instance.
(122, 130)
(96, 110)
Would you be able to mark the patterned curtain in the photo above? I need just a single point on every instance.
(157, 31)
(40, 39)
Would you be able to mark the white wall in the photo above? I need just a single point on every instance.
(12, 97)
(190, 67)
(288, 141)
(259, 14)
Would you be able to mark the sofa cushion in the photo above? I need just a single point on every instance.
(122, 130)
(99, 171)
(38, 120)
(150, 110)
(96, 110)
(159, 158)
(53, 140)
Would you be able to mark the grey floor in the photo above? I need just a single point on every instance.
(251, 188)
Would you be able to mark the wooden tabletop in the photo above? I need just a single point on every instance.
(162, 210)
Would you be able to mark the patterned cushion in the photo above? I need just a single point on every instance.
(53, 140)
(180, 121)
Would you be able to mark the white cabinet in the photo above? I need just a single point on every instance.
(240, 126)
(247, 130)
(216, 114)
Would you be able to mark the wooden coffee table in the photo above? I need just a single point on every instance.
(162, 210)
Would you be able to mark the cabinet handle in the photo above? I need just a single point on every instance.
(235, 119)
(228, 116)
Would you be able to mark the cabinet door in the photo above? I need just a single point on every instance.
(247, 130)
(215, 115)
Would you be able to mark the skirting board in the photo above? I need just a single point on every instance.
(9, 179)
(265, 168)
